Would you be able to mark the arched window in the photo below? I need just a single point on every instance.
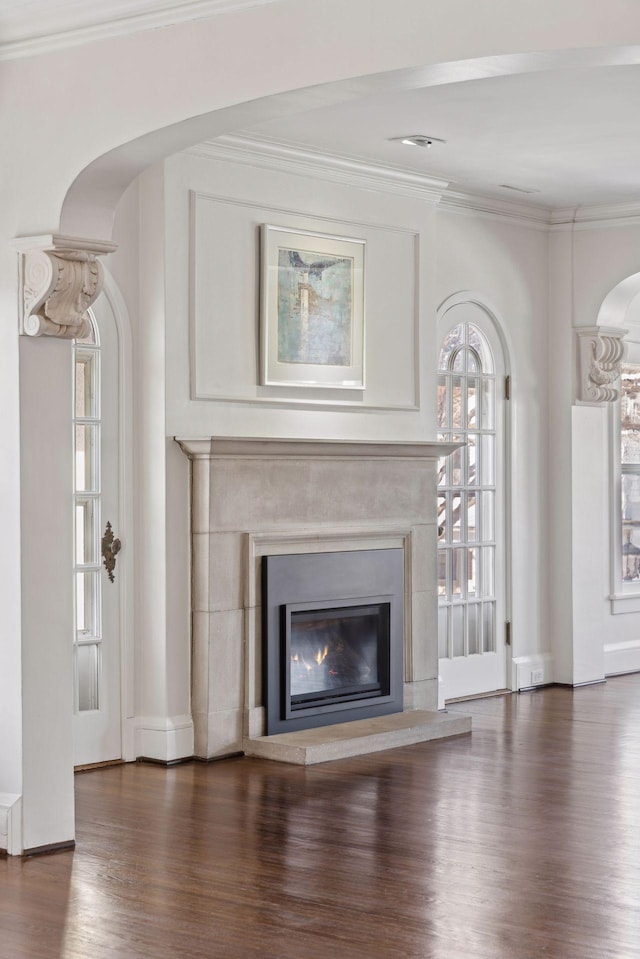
(471, 537)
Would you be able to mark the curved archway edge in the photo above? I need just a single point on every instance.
(157, 92)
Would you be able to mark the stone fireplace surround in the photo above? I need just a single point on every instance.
(258, 497)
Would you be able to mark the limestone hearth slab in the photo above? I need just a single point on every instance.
(363, 736)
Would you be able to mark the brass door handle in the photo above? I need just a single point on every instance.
(110, 549)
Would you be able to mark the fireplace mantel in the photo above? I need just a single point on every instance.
(221, 446)
(254, 497)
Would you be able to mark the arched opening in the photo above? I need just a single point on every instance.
(472, 501)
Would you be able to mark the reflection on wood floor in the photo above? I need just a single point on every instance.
(517, 842)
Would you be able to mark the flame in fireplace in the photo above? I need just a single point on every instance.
(318, 658)
(321, 655)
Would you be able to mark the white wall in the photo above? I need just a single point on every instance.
(213, 213)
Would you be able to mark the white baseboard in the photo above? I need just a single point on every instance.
(621, 658)
(534, 670)
(164, 739)
(11, 823)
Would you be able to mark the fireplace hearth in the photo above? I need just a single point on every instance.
(333, 637)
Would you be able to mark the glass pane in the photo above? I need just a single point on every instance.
(85, 393)
(630, 531)
(443, 641)
(443, 416)
(472, 567)
(86, 540)
(630, 414)
(472, 472)
(488, 517)
(474, 625)
(457, 398)
(455, 517)
(457, 624)
(488, 571)
(453, 339)
(488, 460)
(456, 467)
(86, 454)
(86, 603)
(487, 406)
(444, 561)
(472, 361)
(479, 342)
(472, 399)
(472, 529)
(459, 361)
(87, 675)
(458, 571)
(441, 517)
(442, 471)
(488, 627)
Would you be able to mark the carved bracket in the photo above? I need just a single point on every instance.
(61, 277)
(58, 289)
(600, 351)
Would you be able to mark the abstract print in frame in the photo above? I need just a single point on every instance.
(312, 309)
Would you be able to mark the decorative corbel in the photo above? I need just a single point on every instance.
(600, 351)
(59, 282)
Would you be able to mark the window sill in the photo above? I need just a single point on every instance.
(625, 603)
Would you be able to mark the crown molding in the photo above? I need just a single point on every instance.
(274, 154)
(597, 215)
(278, 155)
(103, 23)
(508, 211)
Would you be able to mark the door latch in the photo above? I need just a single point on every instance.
(110, 549)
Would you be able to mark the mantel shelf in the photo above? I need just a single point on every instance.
(220, 447)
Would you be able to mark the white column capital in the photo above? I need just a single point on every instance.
(60, 277)
(599, 354)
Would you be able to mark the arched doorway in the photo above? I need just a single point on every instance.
(472, 515)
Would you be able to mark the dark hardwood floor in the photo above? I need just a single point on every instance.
(521, 840)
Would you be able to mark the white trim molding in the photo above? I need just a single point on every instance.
(11, 824)
(621, 658)
(599, 354)
(530, 671)
(164, 739)
(275, 154)
(30, 32)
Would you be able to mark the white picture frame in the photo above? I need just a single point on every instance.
(312, 325)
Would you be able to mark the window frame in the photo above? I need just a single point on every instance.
(624, 597)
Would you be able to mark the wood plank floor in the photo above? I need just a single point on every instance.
(520, 841)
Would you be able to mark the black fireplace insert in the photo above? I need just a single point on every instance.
(332, 647)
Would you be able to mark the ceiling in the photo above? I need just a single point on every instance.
(569, 136)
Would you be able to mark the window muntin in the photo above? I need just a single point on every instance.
(466, 495)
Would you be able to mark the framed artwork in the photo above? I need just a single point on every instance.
(311, 310)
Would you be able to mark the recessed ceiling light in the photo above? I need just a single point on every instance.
(417, 140)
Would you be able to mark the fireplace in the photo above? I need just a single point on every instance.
(332, 637)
